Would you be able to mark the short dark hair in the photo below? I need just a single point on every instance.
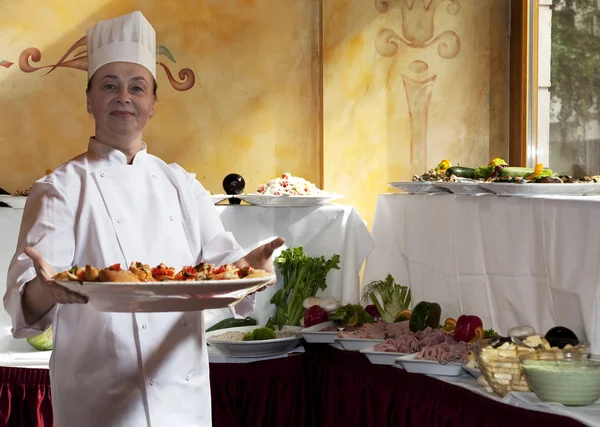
(154, 85)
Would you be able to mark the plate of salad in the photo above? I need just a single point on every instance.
(303, 276)
(252, 341)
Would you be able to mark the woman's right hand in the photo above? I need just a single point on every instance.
(56, 293)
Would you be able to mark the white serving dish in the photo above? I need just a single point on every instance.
(287, 201)
(356, 344)
(251, 348)
(429, 367)
(417, 187)
(463, 187)
(155, 297)
(381, 357)
(537, 189)
(218, 198)
(17, 202)
(314, 334)
(475, 372)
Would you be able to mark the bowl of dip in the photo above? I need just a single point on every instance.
(568, 377)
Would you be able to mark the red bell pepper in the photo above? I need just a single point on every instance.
(465, 327)
(314, 316)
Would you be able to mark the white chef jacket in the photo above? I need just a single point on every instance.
(121, 369)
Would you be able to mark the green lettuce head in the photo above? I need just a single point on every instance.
(42, 341)
(544, 173)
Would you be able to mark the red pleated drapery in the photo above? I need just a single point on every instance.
(25, 399)
(323, 388)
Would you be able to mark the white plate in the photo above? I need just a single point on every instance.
(252, 348)
(381, 357)
(314, 334)
(473, 371)
(218, 198)
(464, 187)
(156, 297)
(288, 201)
(356, 344)
(430, 367)
(533, 189)
(17, 202)
(416, 187)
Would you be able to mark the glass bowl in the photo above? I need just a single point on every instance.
(501, 366)
(568, 377)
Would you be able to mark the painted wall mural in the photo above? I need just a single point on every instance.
(408, 83)
(418, 31)
(76, 58)
(237, 86)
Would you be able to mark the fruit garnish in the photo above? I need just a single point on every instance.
(402, 315)
(538, 170)
(353, 320)
(449, 325)
(479, 334)
(444, 164)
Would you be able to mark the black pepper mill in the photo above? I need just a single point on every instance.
(234, 184)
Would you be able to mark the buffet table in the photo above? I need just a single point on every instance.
(321, 230)
(510, 260)
(323, 387)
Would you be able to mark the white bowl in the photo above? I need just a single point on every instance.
(381, 357)
(314, 334)
(356, 344)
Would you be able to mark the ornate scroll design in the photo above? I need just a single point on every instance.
(418, 32)
(79, 61)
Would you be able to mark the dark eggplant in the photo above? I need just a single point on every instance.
(559, 336)
(234, 184)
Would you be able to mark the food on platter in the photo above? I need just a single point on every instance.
(389, 298)
(425, 314)
(260, 334)
(329, 304)
(351, 315)
(563, 376)
(498, 170)
(263, 334)
(139, 272)
(42, 341)
(498, 358)
(303, 276)
(401, 340)
(446, 353)
(289, 185)
(22, 192)
(232, 322)
(315, 315)
(378, 330)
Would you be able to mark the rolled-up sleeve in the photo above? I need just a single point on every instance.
(48, 225)
(218, 246)
(221, 247)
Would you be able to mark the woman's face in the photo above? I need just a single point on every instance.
(121, 99)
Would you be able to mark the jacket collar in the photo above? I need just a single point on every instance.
(115, 156)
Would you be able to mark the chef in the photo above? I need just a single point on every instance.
(116, 203)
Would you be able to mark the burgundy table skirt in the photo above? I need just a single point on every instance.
(323, 388)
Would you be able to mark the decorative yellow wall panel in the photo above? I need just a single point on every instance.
(408, 83)
(253, 107)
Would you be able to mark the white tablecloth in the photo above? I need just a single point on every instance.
(321, 230)
(588, 415)
(510, 260)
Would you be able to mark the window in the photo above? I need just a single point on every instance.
(568, 74)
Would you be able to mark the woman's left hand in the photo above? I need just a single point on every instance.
(260, 258)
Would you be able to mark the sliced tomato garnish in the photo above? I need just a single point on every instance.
(115, 267)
